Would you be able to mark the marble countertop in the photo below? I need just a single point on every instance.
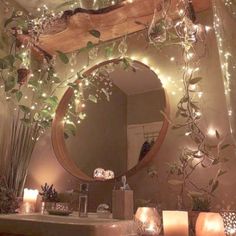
(49, 225)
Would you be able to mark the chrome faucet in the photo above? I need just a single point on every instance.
(83, 200)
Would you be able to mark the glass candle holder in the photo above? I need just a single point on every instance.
(148, 221)
(99, 173)
(209, 224)
(109, 174)
(229, 220)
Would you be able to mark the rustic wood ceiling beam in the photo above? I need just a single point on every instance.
(111, 23)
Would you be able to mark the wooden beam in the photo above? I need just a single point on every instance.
(112, 24)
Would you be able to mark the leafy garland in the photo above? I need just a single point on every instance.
(31, 91)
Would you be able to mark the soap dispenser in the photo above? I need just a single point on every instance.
(83, 200)
(123, 201)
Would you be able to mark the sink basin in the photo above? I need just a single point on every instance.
(45, 225)
(72, 219)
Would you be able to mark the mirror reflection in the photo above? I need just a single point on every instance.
(117, 133)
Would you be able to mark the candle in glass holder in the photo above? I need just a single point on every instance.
(29, 200)
(229, 220)
(99, 174)
(175, 223)
(210, 224)
(148, 221)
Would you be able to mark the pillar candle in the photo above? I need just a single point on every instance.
(175, 223)
(29, 200)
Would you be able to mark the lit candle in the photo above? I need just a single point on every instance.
(210, 224)
(148, 221)
(29, 200)
(175, 223)
(99, 174)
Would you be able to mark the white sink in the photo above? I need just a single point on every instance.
(49, 225)
(72, 219)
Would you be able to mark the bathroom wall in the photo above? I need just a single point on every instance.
(45, 168)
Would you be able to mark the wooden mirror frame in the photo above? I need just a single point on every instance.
(59, 144)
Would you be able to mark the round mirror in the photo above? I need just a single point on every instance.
(119, 133)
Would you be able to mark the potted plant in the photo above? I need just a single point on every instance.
(8, 199)
(49, 197)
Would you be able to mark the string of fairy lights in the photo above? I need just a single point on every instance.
(228, 61)
(231, 5)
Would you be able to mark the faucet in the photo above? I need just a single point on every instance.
(83, 200)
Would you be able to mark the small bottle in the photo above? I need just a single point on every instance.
(83, 200)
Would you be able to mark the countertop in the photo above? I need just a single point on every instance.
(49, 225)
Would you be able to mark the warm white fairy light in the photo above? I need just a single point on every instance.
(211, 132)
(227, 57)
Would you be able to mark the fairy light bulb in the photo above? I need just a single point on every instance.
(211, 132)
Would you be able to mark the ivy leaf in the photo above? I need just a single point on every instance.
(217, 134)
(71, 128)
(25, 109)
(45, 114)
(126, 63)
(216, 161)
(3, 64)
(90, 45)
(63, 57)
(210, 182)
(109, 51)
(10, 59)
(10, 83)
(175, 127)
(95, 33)
(53, 101)
(73, 85)
(66, 136)
(175, 182)
(9, 20)
(25, 121)
(92, 98)
(139, 23)
(65, 4)
(106, 94)
(19, 95)
(195, 107)
(215, 186)
(195, 80)
(195, 194)
(56, 80)
(33, 82)
(221, 172)
(225, 146)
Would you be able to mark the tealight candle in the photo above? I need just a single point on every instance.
(175, 223)
(29, 200)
